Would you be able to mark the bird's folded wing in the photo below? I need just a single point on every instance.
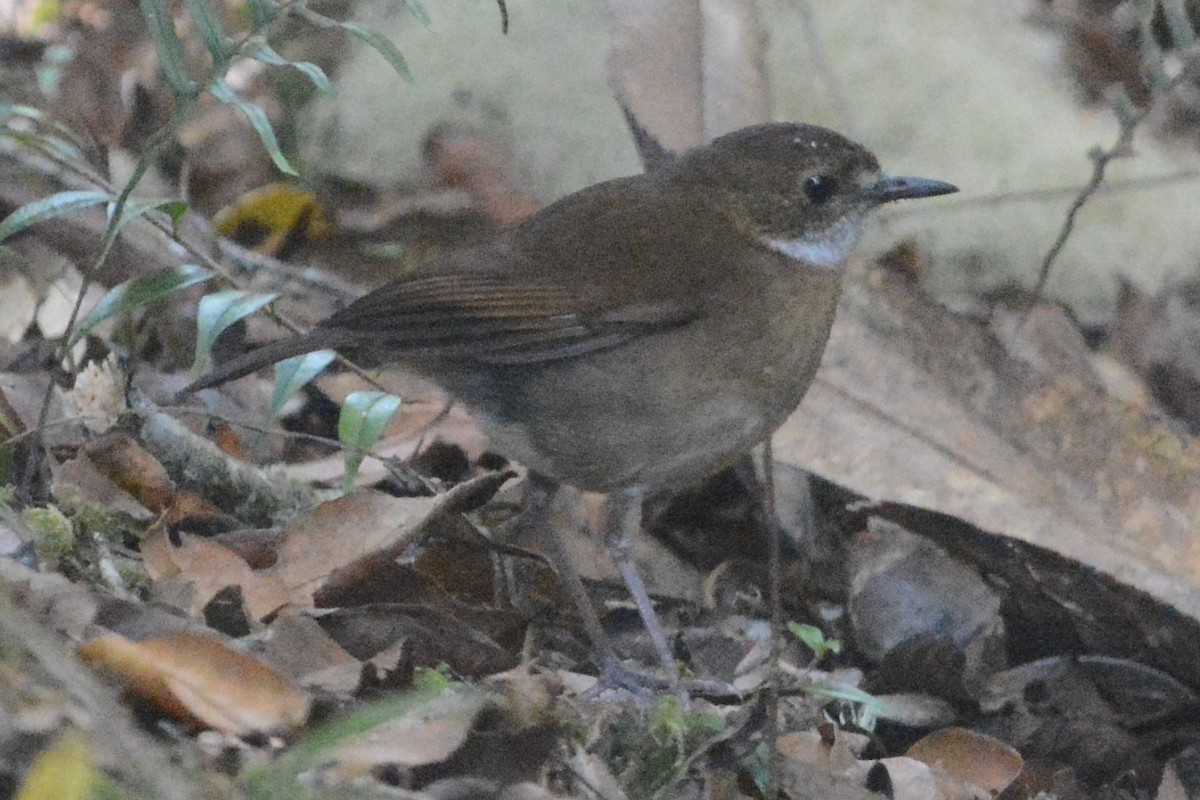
(496, 320)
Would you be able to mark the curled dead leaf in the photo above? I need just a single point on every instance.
(200, 681)
(120, 459)
(973, 758)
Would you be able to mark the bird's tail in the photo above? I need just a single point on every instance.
(246, 363)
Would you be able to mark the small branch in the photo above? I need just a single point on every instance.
(1100, 160)
(1129, 120)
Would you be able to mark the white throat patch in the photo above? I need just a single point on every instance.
(828, 251)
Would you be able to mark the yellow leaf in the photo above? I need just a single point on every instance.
(274, 216)
(63, 771)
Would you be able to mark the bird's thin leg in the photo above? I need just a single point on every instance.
(537, 506)
(775, 598)
(624, 521)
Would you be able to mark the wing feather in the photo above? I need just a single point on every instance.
(491, 319)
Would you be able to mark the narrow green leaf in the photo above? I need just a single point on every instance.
(217, 312)
(133, 209)
(258, 120)
(161, 24)
(140, 292)
(56, 205)
(56, 148)
(261, 51)
(362, 421)
(417, 9)
(849, 694)
(44, 120)
(211, 32)
(292, 373)
(382, 45)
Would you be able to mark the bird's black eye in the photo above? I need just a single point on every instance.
(819, 188)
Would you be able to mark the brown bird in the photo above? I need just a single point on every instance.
(641, 333)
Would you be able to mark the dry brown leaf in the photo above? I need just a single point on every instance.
(77, 483)
(970, 757)
(204, 568)
(337, 533)
(126, 464)
(463, 638)
(198, 680)
(831, 751)
(428, 734)
(116, 471)
(299, 647)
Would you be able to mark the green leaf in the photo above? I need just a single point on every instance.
(382, 45)
(417, 9)
(814, 638)
(56, 205)
(57, 149)
(258, 120)
(261, 51)
(217, 312)
(292, 373)
(161, 24)
(871, 706)
(140, 292)
(133, 209)
(211, 32)
(174, 209)
(363, 419)
(70, 141)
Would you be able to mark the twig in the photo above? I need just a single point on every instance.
(1129, 120)
(388, 462)
(1100, 160)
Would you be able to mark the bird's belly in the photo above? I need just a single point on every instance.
(656, 427)
(665, 409)
(612, 451)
